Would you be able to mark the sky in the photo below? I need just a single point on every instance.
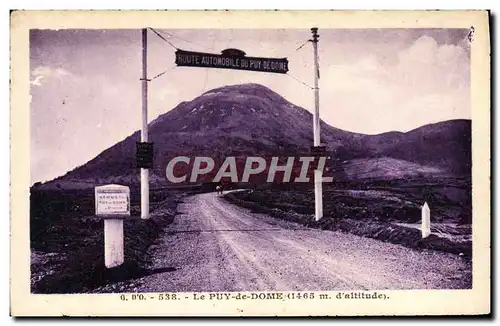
(86, 93)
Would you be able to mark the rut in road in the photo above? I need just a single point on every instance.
(216, 246)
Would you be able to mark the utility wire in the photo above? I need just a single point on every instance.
(300, 47)
(185, 40)
(300, 81)
(161, 74)
(206, 70)
(161, 36)
(292, 52)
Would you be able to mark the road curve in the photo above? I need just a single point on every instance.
(213, 245)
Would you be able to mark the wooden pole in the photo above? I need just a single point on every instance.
(318, 175)
(144, 130)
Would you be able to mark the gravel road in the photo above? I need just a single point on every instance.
(213, 245)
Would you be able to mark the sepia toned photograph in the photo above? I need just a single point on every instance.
(252, 166)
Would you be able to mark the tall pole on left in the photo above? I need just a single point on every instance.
(318, 175)
(144, 130)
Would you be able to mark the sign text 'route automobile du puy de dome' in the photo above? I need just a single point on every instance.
(231, 59)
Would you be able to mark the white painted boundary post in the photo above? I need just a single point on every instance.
(318, 191)
(113, 242)
(112, 203)
(426, 221)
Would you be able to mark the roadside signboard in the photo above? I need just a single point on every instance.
(112, 200)
(144, 155)
(318, 150)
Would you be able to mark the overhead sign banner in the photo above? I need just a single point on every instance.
(231, 59)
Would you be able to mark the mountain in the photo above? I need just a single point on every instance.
(444, 144)
(251, 119)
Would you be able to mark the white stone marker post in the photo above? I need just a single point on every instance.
(112, 203)
(426, 221)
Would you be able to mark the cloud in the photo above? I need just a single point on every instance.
(426, 81)
(432, 68)
(36, 81)
(48, 73)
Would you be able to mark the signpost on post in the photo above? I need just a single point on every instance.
(112, 203)
(144, 155)
(318, 151)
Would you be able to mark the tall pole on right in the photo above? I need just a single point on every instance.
(318, 175)
(144, 129)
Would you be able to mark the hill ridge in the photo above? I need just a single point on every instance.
(251, 119)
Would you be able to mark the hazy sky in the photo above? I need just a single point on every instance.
(86, 93)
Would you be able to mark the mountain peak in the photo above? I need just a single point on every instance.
(241, 88)
(228, 106)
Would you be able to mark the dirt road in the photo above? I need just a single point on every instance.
(215, 246)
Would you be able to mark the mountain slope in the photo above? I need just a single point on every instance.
(446, 144)
(251, 119)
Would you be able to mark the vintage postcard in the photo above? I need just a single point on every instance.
(250, 163)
